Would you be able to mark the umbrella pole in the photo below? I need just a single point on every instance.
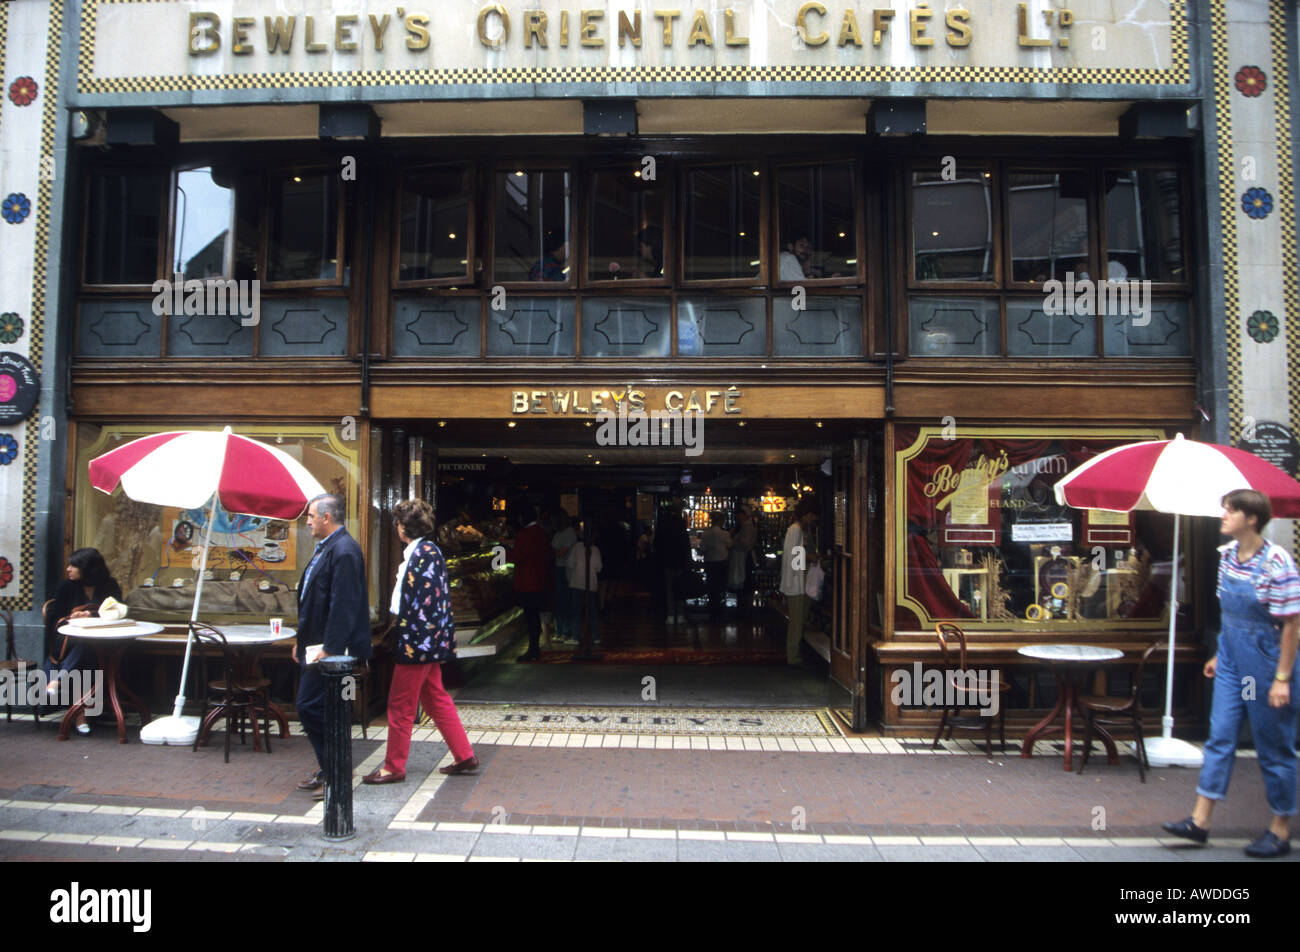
(1167, 722)
(194, 612)
(1165, 750)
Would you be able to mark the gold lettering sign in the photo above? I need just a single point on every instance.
(813, 23)
(715, 401)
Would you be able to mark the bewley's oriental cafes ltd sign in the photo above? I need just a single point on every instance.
(216, 38)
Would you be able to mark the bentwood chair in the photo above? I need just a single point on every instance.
(236, 697)
(962, 689)
(12, 663)
(1120, 712)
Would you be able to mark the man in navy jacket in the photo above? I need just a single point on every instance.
(333, 611)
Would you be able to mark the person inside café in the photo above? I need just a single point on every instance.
(86, 585)
(795, 262)
(1259, 599)
(555, 262)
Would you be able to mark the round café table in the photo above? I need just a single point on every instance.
(1066, 661)
(247, 642)
(110, 644)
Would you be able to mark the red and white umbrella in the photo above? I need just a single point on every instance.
(189, 469)
(1178, 475)
(185, 468)
(1183, 477)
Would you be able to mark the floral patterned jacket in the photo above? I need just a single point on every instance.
(425, 631)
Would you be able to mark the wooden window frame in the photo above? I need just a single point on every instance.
(859, 277)
(588, 174)
(570, 284)
(164, 253)
(992, 171)
(471, 170)
(1088, 171)
(1184, 194)
(764, 189)
(228, 270)
(264, 229)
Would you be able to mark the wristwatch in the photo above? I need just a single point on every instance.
(1284, 678)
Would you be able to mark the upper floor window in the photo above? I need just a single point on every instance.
(435, 213)
(203, 241)
(124, 215)
(952, 225)
(1144, 225)
(531, 224)
(721, 223)
(626, 231)
(304, 234)
(1048, 224)
(817, 224)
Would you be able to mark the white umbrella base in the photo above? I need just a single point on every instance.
(1172, 752)
(176, 731)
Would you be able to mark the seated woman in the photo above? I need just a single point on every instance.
(78, 596)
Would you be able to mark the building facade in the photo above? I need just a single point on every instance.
(918, 259)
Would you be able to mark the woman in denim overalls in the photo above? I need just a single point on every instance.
(1259, 594)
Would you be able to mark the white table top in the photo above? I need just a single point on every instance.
(124, 633)
(1069, 653)
(238, 635)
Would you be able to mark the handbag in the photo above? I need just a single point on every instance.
(813, 584)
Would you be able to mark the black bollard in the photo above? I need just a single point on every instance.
(337, 672)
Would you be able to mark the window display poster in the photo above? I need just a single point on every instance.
(1042, 532)
(237, 541)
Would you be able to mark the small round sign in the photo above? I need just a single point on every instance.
(20, 388)
(1277, 444)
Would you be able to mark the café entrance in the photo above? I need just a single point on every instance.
(624, 496)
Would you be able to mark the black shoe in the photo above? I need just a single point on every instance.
(1187, 830)
(528, 656)
(1269, 846)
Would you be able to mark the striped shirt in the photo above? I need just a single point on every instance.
(1271, 570)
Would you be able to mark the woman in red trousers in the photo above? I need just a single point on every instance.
(426, 637)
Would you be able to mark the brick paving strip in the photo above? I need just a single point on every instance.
(543, 795)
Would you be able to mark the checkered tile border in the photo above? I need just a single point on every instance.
(1227, 217)
(23, 601)
(1178, 74)
(1286, 210)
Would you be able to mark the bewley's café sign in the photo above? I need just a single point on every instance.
(285, 39)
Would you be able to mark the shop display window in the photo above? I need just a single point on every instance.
(952, 225)
(435, 211)
(981, 539)
(816, 229)
(124, 214)
(1144, 225)
(203, 238)
(627, 235)
(722, 223)
(304, 234)
(255, 564)
(1048, 223)
(532, 239)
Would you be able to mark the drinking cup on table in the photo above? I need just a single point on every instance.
(276, 624)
